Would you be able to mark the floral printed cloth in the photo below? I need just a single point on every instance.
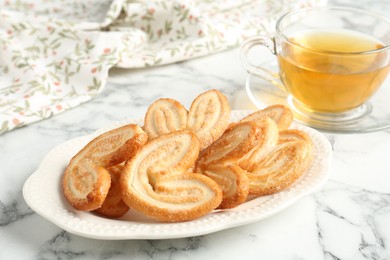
(55, 54)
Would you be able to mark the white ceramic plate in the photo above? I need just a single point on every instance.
(42, 192)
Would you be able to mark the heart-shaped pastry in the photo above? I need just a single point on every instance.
(209, 116)
(269, 137)
(163, 116)
(86, 181)
(278, 168)
(291, 135)
(157, 181)
(237, 141)
(220, 160)
(86, 185)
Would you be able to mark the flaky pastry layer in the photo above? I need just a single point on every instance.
(278, 168)
(86, 181)
(164, 116)
(236, 141)
(233, 181)
(281, 114)
(209, 116)
(113, 206)
(157, 183)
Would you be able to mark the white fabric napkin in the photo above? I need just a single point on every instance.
(55, 55)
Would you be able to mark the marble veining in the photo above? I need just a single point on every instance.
(359, 227)
(349, 218)
(10, 213)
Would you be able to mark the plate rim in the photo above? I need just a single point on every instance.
(221, 219)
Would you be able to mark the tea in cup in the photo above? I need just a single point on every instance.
(331, 60)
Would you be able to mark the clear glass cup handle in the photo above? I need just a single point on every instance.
(270, 76)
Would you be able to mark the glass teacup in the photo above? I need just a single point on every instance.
(331, 61)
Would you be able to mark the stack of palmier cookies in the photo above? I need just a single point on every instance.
(182, 164)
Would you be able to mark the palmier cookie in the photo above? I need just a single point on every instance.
(86, 181)
(164, 116)
(281, 114)
(209, 116)
(237, 140)
(295, 135)
(290, 135)
(156, 183)
(113, 206)
(269, 137)
(279, 168)
(233, 182)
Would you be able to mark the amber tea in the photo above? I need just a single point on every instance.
(332, 71)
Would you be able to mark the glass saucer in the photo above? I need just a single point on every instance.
(374, 115)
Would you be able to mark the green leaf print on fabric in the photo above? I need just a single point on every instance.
(55, 55)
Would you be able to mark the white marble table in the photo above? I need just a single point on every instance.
(348, 219)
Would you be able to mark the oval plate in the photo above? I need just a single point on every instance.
(43, 193)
